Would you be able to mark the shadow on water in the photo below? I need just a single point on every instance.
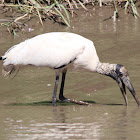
(47, 103)
(59, 103)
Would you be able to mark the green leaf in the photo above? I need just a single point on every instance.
(66, 12)
(62, 16)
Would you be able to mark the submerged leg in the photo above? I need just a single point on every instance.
(54, 99)
(61, 96)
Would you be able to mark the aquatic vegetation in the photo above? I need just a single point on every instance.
(57, 10)
(42, 10)
(133, 9)
(115, 11)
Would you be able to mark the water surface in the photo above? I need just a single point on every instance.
(26, 111)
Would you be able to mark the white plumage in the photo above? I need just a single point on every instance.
(54, 50)
(59, 50)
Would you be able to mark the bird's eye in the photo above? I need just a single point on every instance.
(120, 74)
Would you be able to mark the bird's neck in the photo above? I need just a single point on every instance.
(105, 68)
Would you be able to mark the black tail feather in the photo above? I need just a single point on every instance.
(0, 58)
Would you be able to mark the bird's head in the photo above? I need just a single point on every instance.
(120, 74)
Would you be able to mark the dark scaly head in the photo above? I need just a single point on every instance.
(120, 75)
(124, 80)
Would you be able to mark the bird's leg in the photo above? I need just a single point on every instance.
(54, 99)
(61, 96)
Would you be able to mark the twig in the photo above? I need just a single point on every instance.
(4, 20)
(82, 5)
(75, 4)
(39, 16)
(19, 18)
(70, 7)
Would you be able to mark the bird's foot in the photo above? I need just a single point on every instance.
(74, 101)
(79, 102)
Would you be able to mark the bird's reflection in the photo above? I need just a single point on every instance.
(63, 122)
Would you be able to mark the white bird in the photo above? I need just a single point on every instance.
(59, 51)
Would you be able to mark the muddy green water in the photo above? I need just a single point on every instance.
(26, 112)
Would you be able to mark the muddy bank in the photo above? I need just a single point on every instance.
(16, 20)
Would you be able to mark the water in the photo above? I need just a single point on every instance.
(69, 122)
(26, 111)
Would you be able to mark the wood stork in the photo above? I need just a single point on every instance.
(59, 51)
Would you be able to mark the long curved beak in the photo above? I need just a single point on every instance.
(125, 81)
(123, 90)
